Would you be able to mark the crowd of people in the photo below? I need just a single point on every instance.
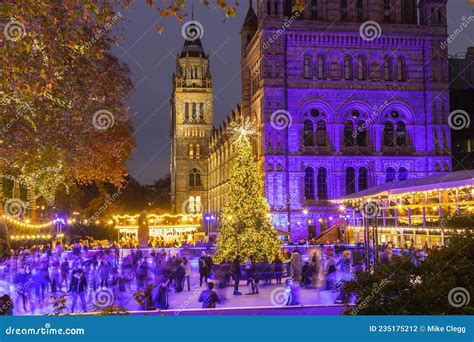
(79, 272)
(158, 242)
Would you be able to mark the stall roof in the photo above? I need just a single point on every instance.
(440, 181)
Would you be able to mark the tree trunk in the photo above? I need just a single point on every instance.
(32, 202)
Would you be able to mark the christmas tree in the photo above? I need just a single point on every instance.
(247, 229)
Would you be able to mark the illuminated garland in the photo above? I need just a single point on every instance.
(26, 224)
(31, 237)
(155, 216)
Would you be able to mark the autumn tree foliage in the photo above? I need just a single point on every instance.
(62, 94)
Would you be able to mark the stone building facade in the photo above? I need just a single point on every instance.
(345, 95)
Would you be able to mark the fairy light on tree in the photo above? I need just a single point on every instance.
(247, 229)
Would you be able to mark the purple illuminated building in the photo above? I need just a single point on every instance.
(345, 96)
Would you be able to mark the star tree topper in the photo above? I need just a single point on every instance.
(243, 130)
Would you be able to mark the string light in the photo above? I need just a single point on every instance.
(25, 224)
(32, 237)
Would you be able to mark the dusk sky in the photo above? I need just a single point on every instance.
(152, 60)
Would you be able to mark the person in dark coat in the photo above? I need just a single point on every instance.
(203, 268)
(142, 274)
(209, 297)
(160, 298)
(278, 269)
(23, 282)
(179, 278)
(77, 289)
(236, 274)
(306, 275)
(64, 272)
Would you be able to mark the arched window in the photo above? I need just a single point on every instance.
(363, 179)
(321, 67)
(344, 10)
(191, 204)
(360, 10)
(194, 178)
(198, 205)
(198, 151)
(386, 11)
(309, 183)
(321, 133)
(401, 134)
(390, 175)
(194, 110)
(401, 69)
(348, 131)
(308, 133)
(186, 111)
(348, 74)
(191, 151)
(201, 111)
(387, 68)
(402, 174)
(307, 66)
(361, 138)
(350, 181)
(322, 184)
(361, 69)
(314, 9)
(388, 134)
(288, 7)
